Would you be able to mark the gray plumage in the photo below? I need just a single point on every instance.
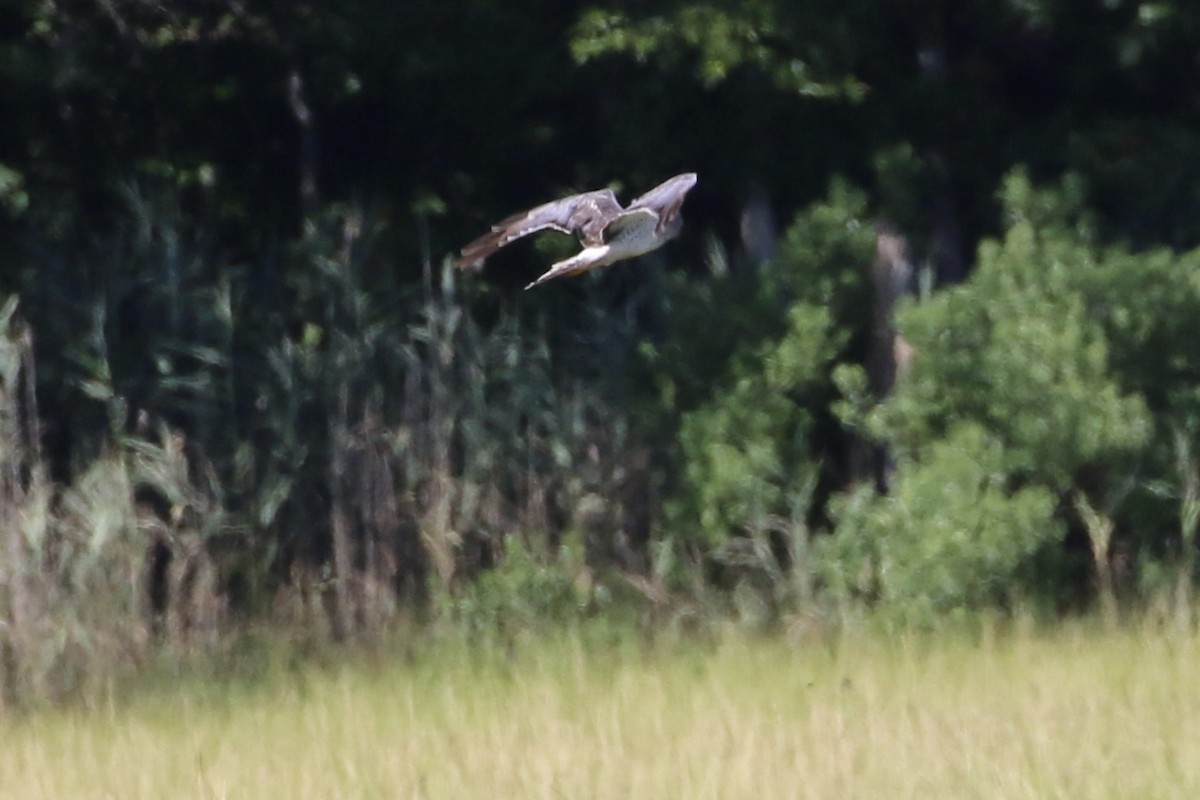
(608, 232)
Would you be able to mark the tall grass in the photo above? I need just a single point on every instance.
(76, 603)
(313, 442)
(1075, 713)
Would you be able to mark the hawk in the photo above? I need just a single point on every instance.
(608, 232)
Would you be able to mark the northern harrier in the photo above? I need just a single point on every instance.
(608, 232)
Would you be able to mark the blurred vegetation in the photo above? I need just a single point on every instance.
(926, 346)
(853, 712)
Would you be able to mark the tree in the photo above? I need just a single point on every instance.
(1072, 360)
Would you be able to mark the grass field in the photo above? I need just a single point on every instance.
(1076, 713)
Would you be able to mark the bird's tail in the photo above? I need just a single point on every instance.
(588, 258)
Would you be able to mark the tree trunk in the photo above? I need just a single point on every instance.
(1189, 520)
(343, 562)
(20, 469)
(1099, 526)
(307, 156)
(888, 354)
(12, 572)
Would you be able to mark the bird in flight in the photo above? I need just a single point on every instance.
(608, 232)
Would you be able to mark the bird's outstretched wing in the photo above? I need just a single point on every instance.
(666, 199)
(585, 215)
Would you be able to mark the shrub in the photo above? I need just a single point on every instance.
(953, 535)
(525, 592)
(1069, 367)
(748, 403)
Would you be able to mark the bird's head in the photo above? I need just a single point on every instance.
(667, 198)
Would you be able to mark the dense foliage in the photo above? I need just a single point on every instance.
(239, 379)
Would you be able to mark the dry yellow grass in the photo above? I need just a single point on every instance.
(1072, 714)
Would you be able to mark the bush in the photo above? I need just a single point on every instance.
(525, 592)
(748, 403)
(952, 535)
(1066, 368)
